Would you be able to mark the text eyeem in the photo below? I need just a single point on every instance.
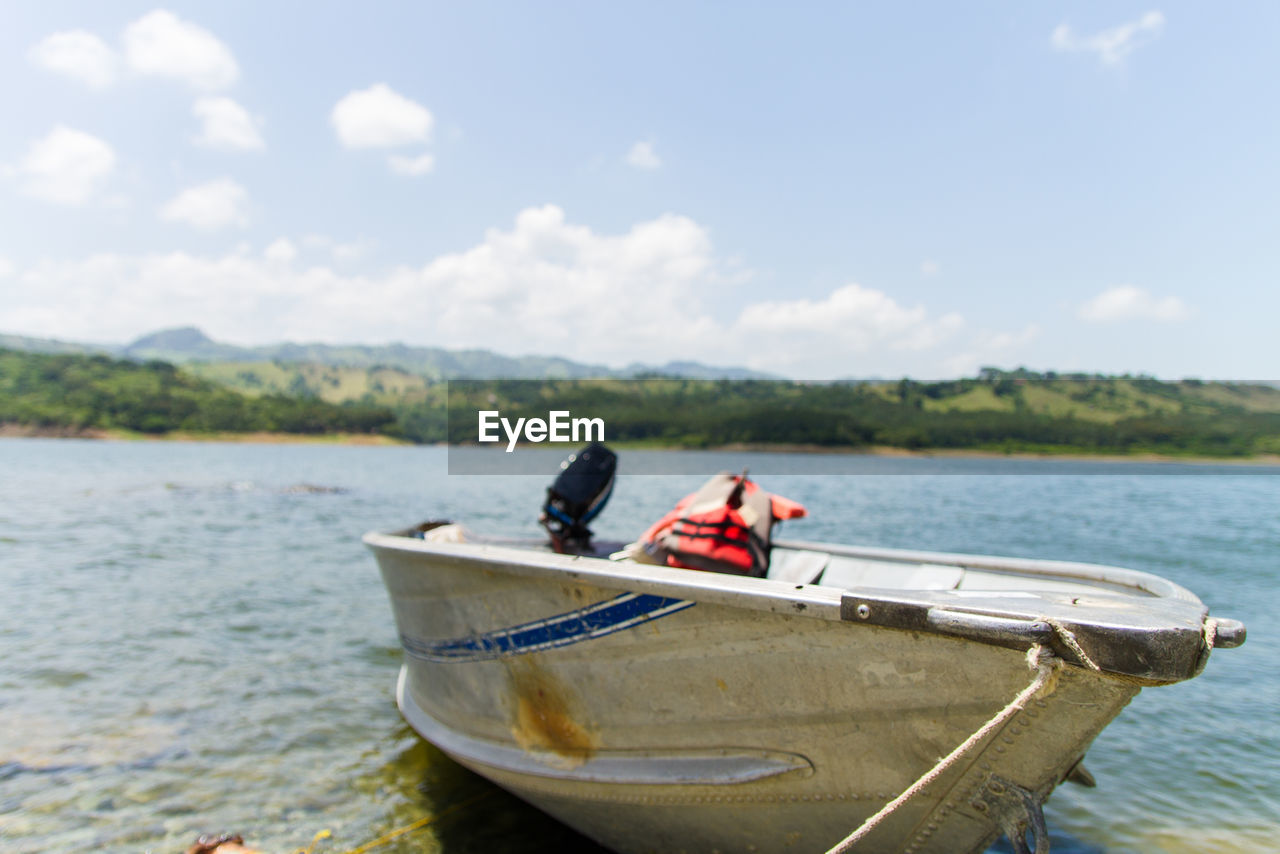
(558, 426)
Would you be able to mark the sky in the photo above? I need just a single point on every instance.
(820, 191)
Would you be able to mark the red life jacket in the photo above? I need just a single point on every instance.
(723, 527)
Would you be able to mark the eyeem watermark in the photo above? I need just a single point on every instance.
(997, 423)
(558, 426)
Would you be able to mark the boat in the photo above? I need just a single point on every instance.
(932, 701)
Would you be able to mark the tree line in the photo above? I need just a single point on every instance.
(1002, 413)
(86, 392)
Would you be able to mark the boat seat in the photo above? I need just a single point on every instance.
(797, 566)
(850, 572)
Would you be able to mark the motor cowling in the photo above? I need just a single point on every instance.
(577, 496)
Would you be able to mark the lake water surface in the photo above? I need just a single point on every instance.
(194, 640)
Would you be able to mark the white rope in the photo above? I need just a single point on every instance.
(1046, 681)
(1069, 639)
(1046, 666)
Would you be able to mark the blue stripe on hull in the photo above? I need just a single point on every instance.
(603, 618)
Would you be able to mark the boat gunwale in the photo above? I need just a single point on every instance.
(1020, 616)
(1143, 635)
(816, 600)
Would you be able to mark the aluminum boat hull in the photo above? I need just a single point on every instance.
(667, 710)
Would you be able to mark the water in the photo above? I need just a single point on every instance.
(194, 640)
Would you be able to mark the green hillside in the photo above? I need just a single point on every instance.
(1001, 411)
(332, 383)
(82, 392)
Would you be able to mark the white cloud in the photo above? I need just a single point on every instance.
(66, 166)
(210, 206)
(281, 251)
(79, 54)
(412, 166)
(851, 320)
(1113, 45)
(642, 156)
(379, 117)
(163, 44)
(6, 267)
(226, 125)
(1127, 302)
(526, 287)
(990, 348)
(520, 289)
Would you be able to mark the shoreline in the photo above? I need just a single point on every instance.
(19, 431)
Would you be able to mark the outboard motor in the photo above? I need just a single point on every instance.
(578, 495)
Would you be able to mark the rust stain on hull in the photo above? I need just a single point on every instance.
(544, 717)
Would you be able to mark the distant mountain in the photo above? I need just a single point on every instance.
(187, 344)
